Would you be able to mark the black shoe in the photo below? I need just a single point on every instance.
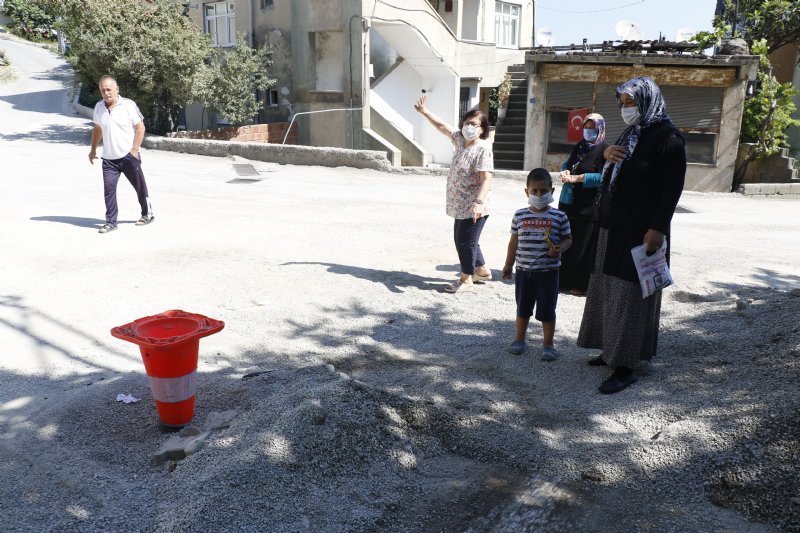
(620, 379)
(107, 228)
(596, 361)
(145, 220)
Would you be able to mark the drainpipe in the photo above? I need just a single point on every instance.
(250, 23)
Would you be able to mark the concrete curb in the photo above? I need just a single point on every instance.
(274, 153)
(769, 189)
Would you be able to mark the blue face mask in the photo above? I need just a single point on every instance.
(589, 135)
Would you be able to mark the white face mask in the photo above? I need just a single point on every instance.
(470, 132)
(631, 115)
(540, 202)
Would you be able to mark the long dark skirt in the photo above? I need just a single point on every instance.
(616, 319)
(577, 261)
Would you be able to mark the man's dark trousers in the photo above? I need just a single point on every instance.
(132, 168)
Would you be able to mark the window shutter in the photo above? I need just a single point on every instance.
(694, 107)
(569, 95)
(608, 107)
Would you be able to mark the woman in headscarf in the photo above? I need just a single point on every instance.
(581, 175)
(642, 183)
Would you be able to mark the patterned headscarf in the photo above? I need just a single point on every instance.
(585, 145)
(652, 109)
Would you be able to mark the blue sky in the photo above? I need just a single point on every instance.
(572, 20)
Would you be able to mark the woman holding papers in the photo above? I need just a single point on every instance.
(641, 185)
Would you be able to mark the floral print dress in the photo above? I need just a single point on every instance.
(463, 182)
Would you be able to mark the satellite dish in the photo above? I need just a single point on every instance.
(628, 30)
(545, 37)
(684, 34)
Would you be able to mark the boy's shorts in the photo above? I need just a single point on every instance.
(536, 289)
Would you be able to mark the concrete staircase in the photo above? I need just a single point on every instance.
(778, 168)
(509, 137)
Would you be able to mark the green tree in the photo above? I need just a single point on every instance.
(767, 114)
(776, 21)
(160, 58)
(153, 51)
(230, 82)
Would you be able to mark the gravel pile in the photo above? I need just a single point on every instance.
(369, 438)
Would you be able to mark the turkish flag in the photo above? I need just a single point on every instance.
(575, 120)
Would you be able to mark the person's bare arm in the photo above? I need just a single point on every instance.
(138, 137)
(97, 134)
(511, 255)
(483, 192)
(435, 121)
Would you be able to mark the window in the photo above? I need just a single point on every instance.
(272, 98)
(506, 24)
(266, 3)
(695, 111)
(220, 23)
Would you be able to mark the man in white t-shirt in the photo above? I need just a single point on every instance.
(118, 122)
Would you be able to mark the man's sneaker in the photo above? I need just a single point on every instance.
(107, 228)
(145, 220)
(550, 354)
(517, 347)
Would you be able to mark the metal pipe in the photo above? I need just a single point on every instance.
(250, 23)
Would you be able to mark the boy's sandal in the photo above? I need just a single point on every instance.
(517, 347)
(550, 354)
(144, 221)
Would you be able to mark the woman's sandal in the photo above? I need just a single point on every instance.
(459, 286)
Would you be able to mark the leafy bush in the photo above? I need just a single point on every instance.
(498, 97)
(28, 20)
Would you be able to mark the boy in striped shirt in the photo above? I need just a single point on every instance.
(539, 234)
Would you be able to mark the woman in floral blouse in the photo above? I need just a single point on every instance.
(468, 187)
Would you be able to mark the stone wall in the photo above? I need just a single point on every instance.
(262, 133)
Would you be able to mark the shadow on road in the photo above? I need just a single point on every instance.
(62, 73)
(55, 133)
(81, 222)
(394, 280)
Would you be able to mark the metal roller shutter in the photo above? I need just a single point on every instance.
(694, 107)
(569, 95)
(608, 107)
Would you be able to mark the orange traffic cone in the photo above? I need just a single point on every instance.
(169, 343)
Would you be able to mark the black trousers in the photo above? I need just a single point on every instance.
(132, 168)
(466, 234)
